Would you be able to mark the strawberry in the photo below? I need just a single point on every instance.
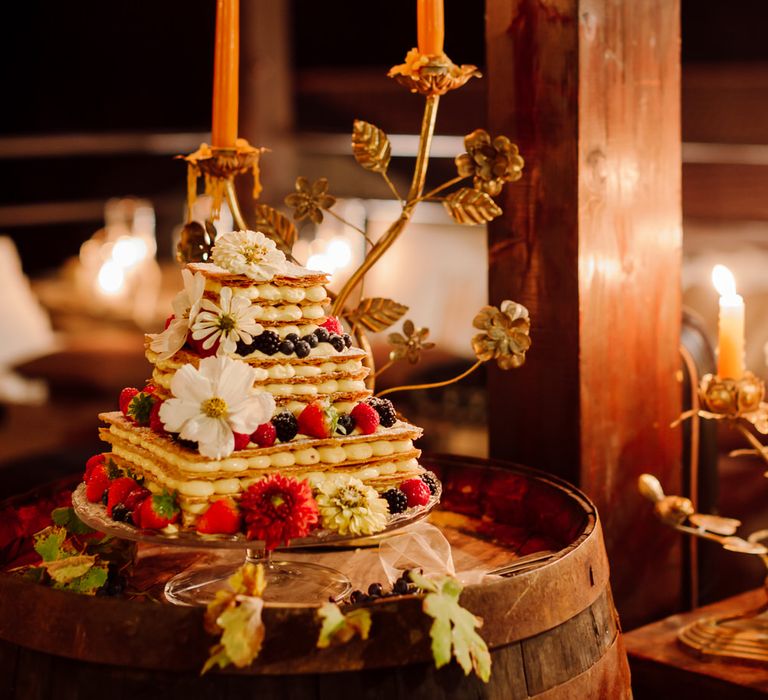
(157, 511)
(221, 518)
(416, 491)
(135, 496)
(126, 396)
(91, 464)
(140, 407)
(366, 418)
(156, 425)
(241, 441)
(97, 483)
(318, 420)
(265, 435)
(197, 346)
(333, 325)
(118, 490)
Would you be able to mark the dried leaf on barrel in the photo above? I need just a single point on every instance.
(376, 314)
(276, 225)
(371, 147)
(470, 206)
(410, 344)
(235, 614)
(338, 628)
(308, 201)
(506, 334)
(454, 630)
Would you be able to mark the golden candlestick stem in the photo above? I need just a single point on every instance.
(234, 206)
(393, 232)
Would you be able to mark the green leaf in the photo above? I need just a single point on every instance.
(338, 628)
(89, 582)
(49, 543)
(454, 630)
(141, 406)
(69, 568)
(218, 657)
(164, 504)
(67, 518)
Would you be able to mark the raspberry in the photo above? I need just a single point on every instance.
(346, 424)
(155, 424)
(268, 342)
(197, 346)
(386, 410)
(366, 418)
(416, 491)
(286, 426)
(332, 325)
(396, 500)
(134, 499)
(429, 479)
(241, 441)
(265, 435)
(126, 396)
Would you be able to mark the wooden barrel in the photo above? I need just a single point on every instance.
(551, 626)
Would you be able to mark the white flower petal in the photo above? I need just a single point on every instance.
(248, 415)
(171, 340)
(218, 440)
(235, 382)
(175, 413)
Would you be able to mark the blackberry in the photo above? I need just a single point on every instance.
(286, 347)
(386, 410)
(311, 340)
(302, 348)
(293, 337)
(345, 425)
(396, 500)
(120, 513)
(347, 340)
(268, 342)
(321, 334)
(286, 426)
(429, 479)
(337, 341)
(245, 349)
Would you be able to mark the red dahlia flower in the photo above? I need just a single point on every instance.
(278, 509)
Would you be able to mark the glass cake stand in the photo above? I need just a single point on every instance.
(288, 582)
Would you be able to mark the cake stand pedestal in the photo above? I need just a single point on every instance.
(289, 583)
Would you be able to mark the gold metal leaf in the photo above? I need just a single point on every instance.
(371, 146)
(715, 523)
(276, 224)
(376, 314)
(470, 206)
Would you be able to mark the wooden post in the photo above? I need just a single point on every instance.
(590, 242)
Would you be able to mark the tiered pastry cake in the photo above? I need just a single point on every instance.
(250, 378)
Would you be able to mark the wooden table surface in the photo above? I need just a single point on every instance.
(662, 669)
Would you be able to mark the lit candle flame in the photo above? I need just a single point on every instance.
(724, 281)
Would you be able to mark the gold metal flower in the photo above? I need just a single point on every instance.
(506, 334)
(491, 162)
(431, 75)
(308, 201)
(410, 344)
(732, 397)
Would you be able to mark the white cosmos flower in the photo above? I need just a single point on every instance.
(213, 402)
(185, 306)
(248, 253)
(232, 320)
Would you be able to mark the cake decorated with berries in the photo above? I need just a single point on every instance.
(257, 405)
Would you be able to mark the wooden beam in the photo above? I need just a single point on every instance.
(590, 242)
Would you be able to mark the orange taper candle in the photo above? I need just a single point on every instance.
(226, 61)
(730, 335)
(430, 26)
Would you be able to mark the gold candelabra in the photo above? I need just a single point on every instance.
(489, 162)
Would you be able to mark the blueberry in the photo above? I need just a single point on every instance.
(302, 348)
(338, 342)
(347, 340)
(311, 340)
(286, 347)
(293, 337)
(400, 587)
(375, 590)
(321, 334)
(355, 596)
(120, 513)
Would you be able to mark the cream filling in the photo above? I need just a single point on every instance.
(288, 312)
(272, 292)
(330, 455)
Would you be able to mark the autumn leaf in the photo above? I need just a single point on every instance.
(338, 628)
(49, 543)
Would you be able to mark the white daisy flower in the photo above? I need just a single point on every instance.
(248, 253)
(232, 320)
(349, 507)
(185, 306)
(213, 402)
